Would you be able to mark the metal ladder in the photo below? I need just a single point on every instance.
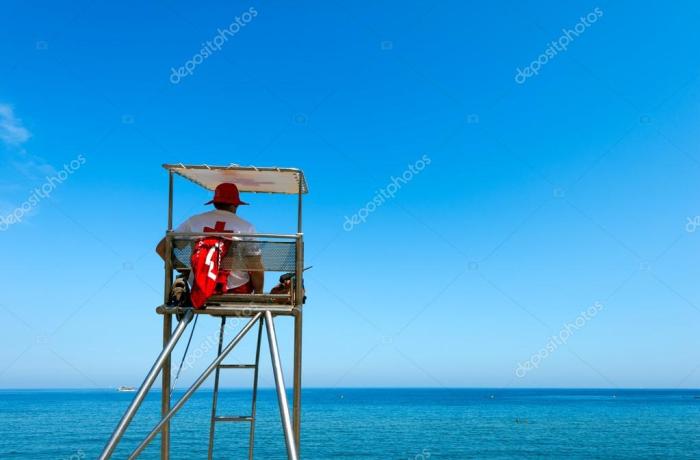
(235, 418)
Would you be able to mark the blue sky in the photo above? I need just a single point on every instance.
(578, 185)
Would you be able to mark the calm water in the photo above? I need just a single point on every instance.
(371, 423)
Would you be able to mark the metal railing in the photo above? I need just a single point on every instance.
(278, 253)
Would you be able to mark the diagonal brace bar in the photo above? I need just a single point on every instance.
(190, 391)
(145, 386)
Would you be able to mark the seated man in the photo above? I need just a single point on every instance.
(223, 219)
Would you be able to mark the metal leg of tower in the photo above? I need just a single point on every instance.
(281, 392)
(296, 398)
(165, 391)
(215, 395)
(251, 442)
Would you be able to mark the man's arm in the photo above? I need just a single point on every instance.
(257, 273)
(160, 249)
(186, 226)
(258, 281)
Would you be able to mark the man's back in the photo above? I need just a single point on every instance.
(221, 221)
(216, 220)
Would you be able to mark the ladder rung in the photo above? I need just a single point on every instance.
(239, 418)
(237, 366)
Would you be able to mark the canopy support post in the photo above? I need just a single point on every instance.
(167, 328)
(299, 297)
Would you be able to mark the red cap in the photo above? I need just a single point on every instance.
(226, 194)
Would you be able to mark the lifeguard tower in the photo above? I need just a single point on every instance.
(280, 253)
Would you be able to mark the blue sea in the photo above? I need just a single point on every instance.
(413, 424)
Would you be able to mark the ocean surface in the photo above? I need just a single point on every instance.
(413, 424)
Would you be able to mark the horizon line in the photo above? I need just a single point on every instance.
(154, 389)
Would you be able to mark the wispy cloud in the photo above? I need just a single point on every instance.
(13, 135)
(31, 168)
(12, 132)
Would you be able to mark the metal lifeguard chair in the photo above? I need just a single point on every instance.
(280, 253)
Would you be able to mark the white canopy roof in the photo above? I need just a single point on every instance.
(247, 178)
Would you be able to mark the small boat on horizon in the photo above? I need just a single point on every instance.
(125, 389)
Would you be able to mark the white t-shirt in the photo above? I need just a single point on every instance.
(223, 221)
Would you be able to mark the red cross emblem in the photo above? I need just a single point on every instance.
(219, 227)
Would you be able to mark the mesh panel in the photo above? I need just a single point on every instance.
(277, 256)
